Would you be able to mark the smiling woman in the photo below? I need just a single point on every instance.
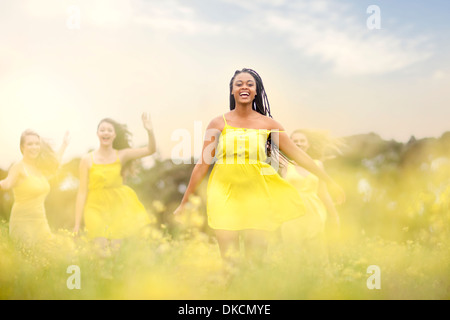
(111, 210)
(245, 195)
(29, 180)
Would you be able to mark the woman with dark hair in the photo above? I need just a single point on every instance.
(111, 210)
(245, 194)
(28, 179)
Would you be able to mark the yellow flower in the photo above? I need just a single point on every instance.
(159, 206)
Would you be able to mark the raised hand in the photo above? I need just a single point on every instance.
(62, 149)
(66, 139)
(146, 121)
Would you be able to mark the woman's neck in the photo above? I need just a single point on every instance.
(29, 161)
(244, 110)
(105, 150)
(30, 166)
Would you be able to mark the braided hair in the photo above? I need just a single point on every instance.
(260, 103)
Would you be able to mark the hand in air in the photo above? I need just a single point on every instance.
(66, 139)
(146, 121)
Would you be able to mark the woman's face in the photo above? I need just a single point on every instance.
(301, 141)
(31, 146)
(106, 133)
(244, 88)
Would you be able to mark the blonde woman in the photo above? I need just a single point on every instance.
(28, 179)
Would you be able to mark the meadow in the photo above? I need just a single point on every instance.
(396, 218)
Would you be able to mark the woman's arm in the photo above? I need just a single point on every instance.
(63, 147)
(11, 180)
(325, 197)
(82, 193)
(198, 174)
(202, 166)
(304, 160)
(137, 153)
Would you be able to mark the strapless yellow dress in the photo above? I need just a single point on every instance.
(28, 222)
(245, 192)
(112, 209)
(313, 223)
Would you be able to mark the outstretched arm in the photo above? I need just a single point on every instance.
(136, 153)
(13, 176)
(304, 160)
(201, 167)
(326, 199)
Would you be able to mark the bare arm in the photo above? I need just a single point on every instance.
(198, 174)
(11, 180)
(63, 147)
(328, 202)
(136, 153)
(82, 193)
(304, 160)
(325, 197)
(202, 166)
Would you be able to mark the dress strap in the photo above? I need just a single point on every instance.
(25, 169)
(276, 130)
(224, 119)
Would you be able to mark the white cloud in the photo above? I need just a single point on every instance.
(163, 15)
(439, 75)
(326, 31)
(174, 17)
(331, 33)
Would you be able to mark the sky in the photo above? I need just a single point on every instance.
(349, 67)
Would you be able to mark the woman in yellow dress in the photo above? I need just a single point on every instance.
(245, 195)
(111, 210)
(28, 179)
(309, 231)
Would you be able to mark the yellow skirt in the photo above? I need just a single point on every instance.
(250, 196)
(114, 213)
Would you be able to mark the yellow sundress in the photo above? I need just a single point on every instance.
(112, 209)
(28, 222)
(245, 192)
(313, 223)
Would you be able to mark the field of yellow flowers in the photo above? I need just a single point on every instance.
(393, 244)
(159, 265)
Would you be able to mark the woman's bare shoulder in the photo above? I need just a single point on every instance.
(217, 123)
(273, 124)
(17, 168)
(86, 160)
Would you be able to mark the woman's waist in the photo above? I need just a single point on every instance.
(242, 171)
(29, 202)
(27, 212)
